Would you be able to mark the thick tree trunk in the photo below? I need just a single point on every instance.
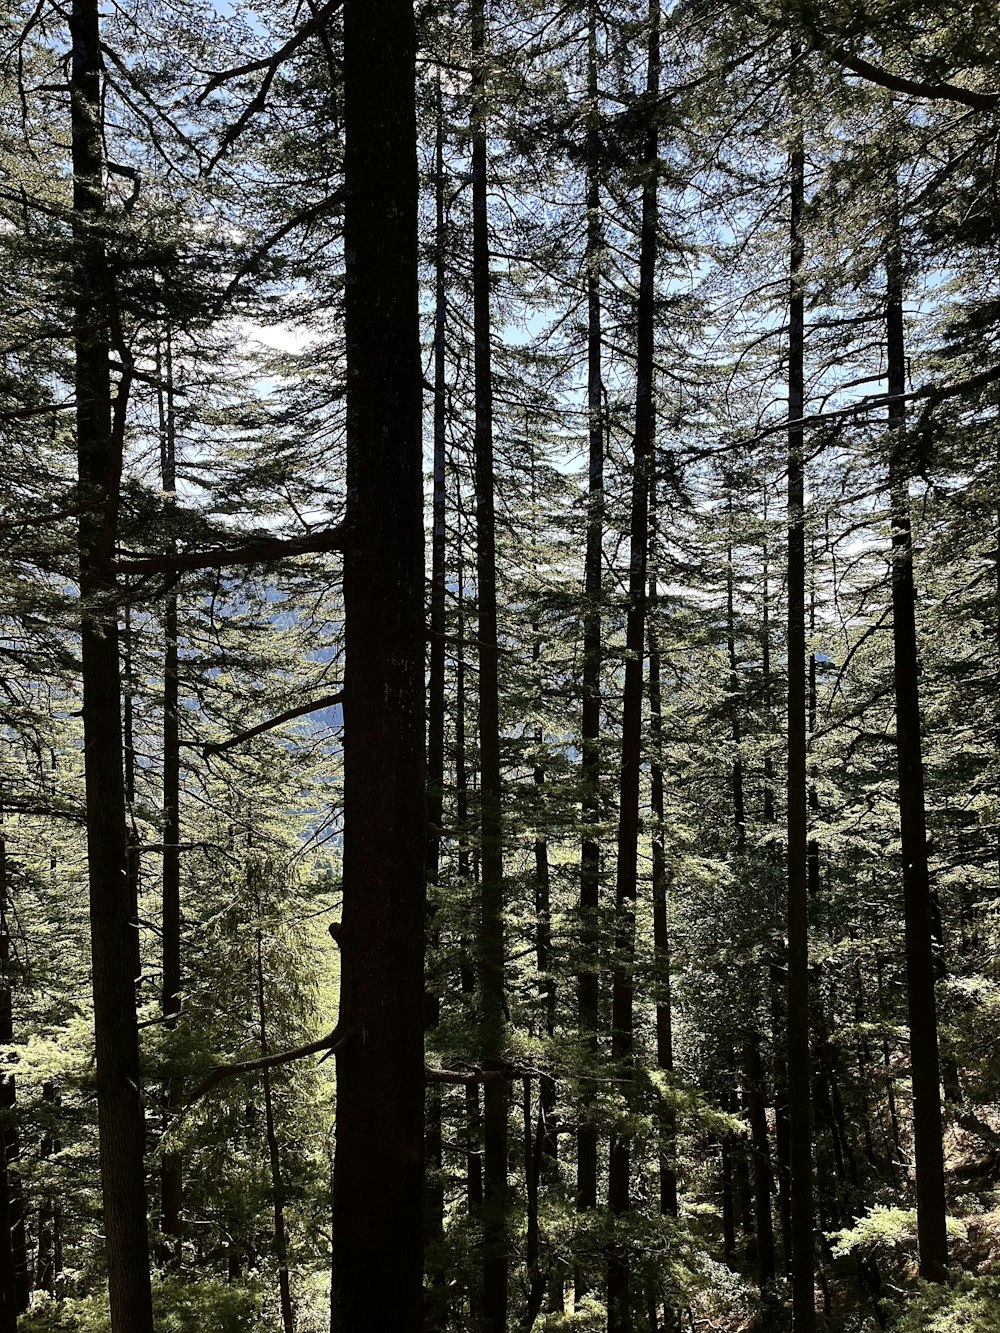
(493, 1023)
(799, 1116)
(588, 982)
(379, 1167)
(114, 929)
(619, 1284)
(924, 1062)
(171, 1180)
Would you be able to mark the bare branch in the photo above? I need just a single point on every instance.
(263, 551)
(332, 1042)
(324, 701)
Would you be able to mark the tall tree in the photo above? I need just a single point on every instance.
(622, 1012)
(797, 1014)
(491, 929)
(928, 1148)
(378, 1173)
(100, 427)
(588, 981)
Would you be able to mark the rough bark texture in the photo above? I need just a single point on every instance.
(379, 1165)
(619, 1294)
(928, 1151)
(799, 1117)
(114, 930)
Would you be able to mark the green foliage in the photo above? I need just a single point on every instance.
(180, 1306)
(967, 1303)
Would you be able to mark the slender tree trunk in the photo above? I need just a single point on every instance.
(114, 929)
(661, 934)
(927, 1139)
(799, 1117)
(588, 981)
(776, 976)
(619, 1276)
(474, 1158)
(493, 1025)
(757, 1115)
(171, 1179)
(14, 1276)
(728, 1204)
(274, 1158)
(378, 1198)
(50, 1213)
(434, 1224)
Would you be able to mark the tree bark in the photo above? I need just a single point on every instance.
(928, 1148)
(14, 1275)
(274, 1158)
(588, 979)
(434, 1222)
(171, 1180)
(661, 933)
(379, 1165)
(619, 1275)
(114, 929)
(799, 1116)
(761, 1154)
(493, 1029)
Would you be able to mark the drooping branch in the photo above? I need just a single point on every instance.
(262, 551)
(313, 706)
(936, 92)
(331, 1043)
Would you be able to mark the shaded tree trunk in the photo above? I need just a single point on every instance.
(14, 1275)
(114, 929)
(761, 1156)
(493, 1022)
(274, 1158)
(378, 1199)
(434, 1221)
(588, 982)
(922, 1010)
(171, 1179)
(797, 1017)
(661, 934)
(619, 1267)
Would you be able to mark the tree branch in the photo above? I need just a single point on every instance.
(332, 1042)
(263, 551)
(324, 701)
(937, 92)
